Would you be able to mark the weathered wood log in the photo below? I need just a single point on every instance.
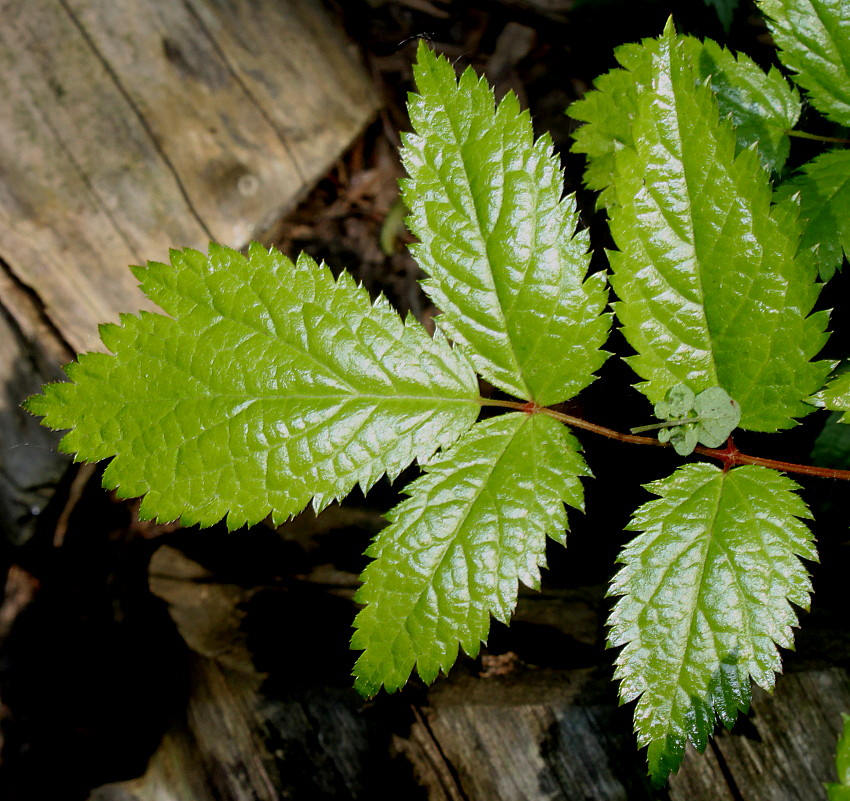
(129, 128)
(495, 729)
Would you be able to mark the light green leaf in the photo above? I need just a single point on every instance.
(678, 402)
(269, 385)
(689, 419)
(706, 594)
(841, 791)
(473, 527)
(498, 241)
(609, 111)
(813, 37)
(712, 291)
(823, 185)
(762, 106)
(836, 395)
(718, 416)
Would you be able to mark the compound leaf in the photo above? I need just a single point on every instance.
(762, 106)
(813, 37)
(269, 385)
(823, 185)
(473, 527)
(706, 598)
(712, 289)
(498, 242)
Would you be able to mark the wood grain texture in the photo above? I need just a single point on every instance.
(129, 128)
(495, 730)
(134, 127)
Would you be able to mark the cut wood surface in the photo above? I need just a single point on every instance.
(129, 128)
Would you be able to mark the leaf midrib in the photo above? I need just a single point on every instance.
(695, 595)
(485, 239)
(473, 502)
(683, 144)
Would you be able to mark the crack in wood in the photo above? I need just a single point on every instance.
(33, 309)
(86, 180)
(139, 115)
(455, 790)
(237, 78)
(726, 771)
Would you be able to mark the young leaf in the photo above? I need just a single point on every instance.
(762, 106)
(269, 385)
(708, 418)
(712, 292)
(473, 527)
(813, 37)
(705, 600)
(497, 240)
(841, 791)
(824, 188)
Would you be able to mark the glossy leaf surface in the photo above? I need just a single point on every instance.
(712, 290)
(836, 395)
(762, 106)
(269, 385)
(823, 185)
(813, 38)
(498, 241)
(706, 590)
(473, 527)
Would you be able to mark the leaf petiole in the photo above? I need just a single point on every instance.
(818, 138)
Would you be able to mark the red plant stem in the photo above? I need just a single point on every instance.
(730, 456)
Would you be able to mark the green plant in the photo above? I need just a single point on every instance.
(841, 791)
(272, 384)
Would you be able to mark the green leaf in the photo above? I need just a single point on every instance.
(841, 791)
(813, 37)
(608, 112)
(836, 395)
(762, 106)
(497, 239)
(706, 597)
(473, 527)
(823, 185)
(712, 291)
(718, 416)
(725, 10)
(708, 418)
(269, 385)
